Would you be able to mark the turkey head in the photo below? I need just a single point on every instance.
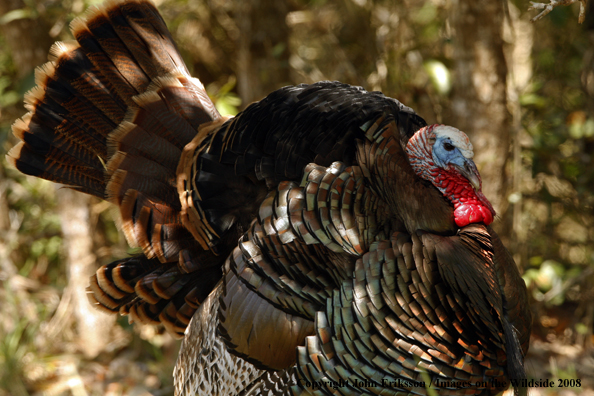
(443, 155)
(427, 176)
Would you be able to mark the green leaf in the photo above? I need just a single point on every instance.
(278, 49)
(532, 99)
(14, 15)
(225, 108)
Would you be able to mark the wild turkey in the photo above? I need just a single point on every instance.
(325, 239)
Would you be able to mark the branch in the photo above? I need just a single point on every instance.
(546, 8)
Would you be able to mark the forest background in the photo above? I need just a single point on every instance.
(523, 91)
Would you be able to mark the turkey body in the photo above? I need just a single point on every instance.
(324, 240)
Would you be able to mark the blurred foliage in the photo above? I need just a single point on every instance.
(558, 199)
(404, 49)
(225, 100)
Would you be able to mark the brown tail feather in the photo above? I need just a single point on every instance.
(151, 292)
(83, 94)
(64, 134)
(145, 150)
(110, 116)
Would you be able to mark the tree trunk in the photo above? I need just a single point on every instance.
(263, 48)
(93, 326)
(519, 33)
(479, 102)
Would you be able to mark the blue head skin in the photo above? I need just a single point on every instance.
(451, 151)
(443, 155)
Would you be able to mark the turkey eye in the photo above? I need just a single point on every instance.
(448, 146)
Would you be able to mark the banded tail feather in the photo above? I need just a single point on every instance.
(110, 116)
(151, 292)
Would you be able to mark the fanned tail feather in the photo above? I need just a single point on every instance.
(123, 54)
(110, 116)
(150, 292)
(145, 150)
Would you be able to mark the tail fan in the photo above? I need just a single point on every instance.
(150, 292)
(110, 116)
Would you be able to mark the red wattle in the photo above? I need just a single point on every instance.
(470, 204)
(465, 214)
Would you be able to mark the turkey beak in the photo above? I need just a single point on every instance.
(470, 172)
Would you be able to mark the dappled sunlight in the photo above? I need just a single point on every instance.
(528, 107)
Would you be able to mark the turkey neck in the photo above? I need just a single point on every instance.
(413, 202)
